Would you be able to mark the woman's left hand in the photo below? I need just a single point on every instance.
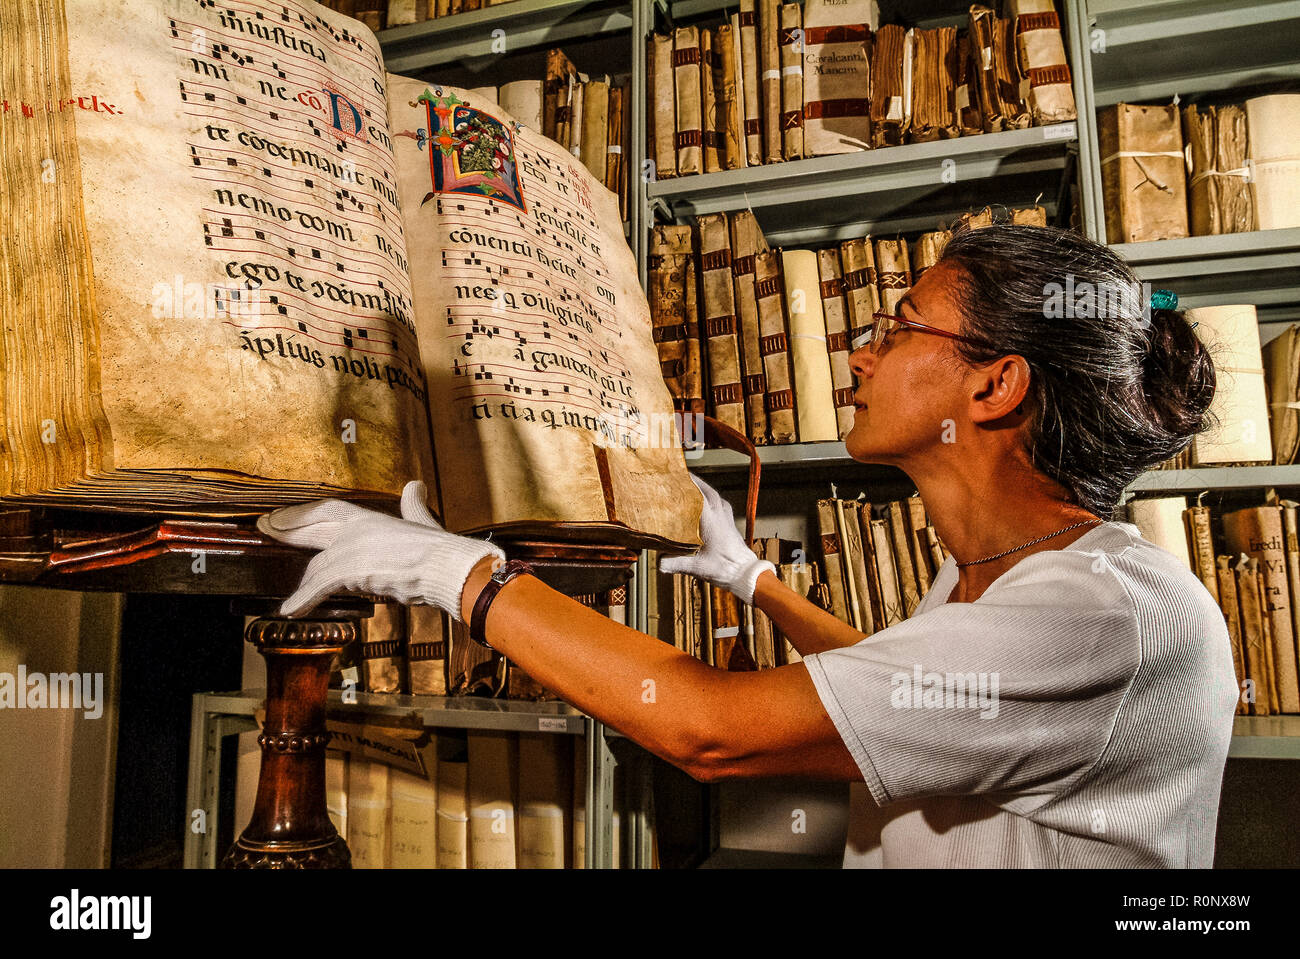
(411, 559)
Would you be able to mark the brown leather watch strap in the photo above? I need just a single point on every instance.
(478, 616)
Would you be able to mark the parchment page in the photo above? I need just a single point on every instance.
(249, 261)
(545, 392)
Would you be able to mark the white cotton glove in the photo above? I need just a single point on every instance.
(411, 560)
(723, 560)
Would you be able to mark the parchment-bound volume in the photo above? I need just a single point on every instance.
(671, 256)
(663, 107)
(837, 75)
(710, 117)
(730, 95)
(1232, 616)
(983, 28)
(888, 107)
(251, 335)
(426, 649)
(726, 395)
(1274, 123)
(1160, 520)
(857, 592)
(1257, 532)
(893, 273)
(861, 294)
(452, 812)
(617, 143)
(926, 251)
(577, 115)
(1240, 405)
(545, 804)
(835, 313)
(401, 12)
(371, 12)
(914, 516)
(1040, 52)
(775, 347)
(491, 804)
(875, 595)
(414, 821)
(523, 100)
(890, 586)
(368, 826)
(966, 95)
(1143, 176)
(1282, 361)
(769, 62)
(555, 89)
(1219, 196)
(336, 790)
(1197, 520)
(934, 66)
(809, 359)
(749, 58)
(909, 585)
(686, 82)
(746, 241)
(594, 144)
(383, 649)
(791, 41)
(832, 556)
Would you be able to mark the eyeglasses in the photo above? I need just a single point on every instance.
(883, 324)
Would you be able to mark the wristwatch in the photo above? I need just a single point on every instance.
(478, 617)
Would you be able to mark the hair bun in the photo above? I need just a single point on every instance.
(1178, 374)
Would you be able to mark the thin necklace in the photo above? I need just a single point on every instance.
(986, 559)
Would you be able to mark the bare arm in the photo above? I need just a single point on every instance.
(809, 628)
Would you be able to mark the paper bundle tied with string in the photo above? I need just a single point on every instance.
(1219, 188)
(1275, 159)
(1143, 173)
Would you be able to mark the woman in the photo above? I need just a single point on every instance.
(1064, 694)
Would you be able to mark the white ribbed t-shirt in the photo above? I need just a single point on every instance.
(1077, 714)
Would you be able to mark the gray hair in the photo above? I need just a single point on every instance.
(1115, 388)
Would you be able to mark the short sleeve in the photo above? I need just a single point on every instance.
(1016, 693)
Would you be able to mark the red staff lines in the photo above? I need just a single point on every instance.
(264, 187)
(297, 332)
(592, 224)
(521, 283)
(293, 261)
(388, 329)
(359, 39)
(497, 254)
(585, 384)
(384, 225)
(297, 171)
(531, 399)
(559, 244)
(515, 313)
(242, 39)
(333, 251)
(607, 366)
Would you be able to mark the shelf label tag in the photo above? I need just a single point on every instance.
(1060, 131)
(552, 724)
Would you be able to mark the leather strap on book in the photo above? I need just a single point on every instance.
(753, 128)
(893, 280)
(792, 120)
(857, 279)
(844, 396)
(378, 650)
(776, 343)
(856, 333)
(686, 57)
(769, 287)
(830, 543)
(742, 265)
(715, 259)
(832, 288)
(1044, 76)
(747, 18)
(833, 109)
(670, 333)
(689, 138)
(712, 139)
(843, 33)
(786, 35)
(837, 342)
(672, 369)
(423, 652)
(778, 400)
(756, 384)
(562, 114)
(720, 326)
(727, 394)
(1037, 21)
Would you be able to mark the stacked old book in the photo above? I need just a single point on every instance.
(760, 337)
(382, 14)
(1205, 169)
(1249, 561)
(782, 81)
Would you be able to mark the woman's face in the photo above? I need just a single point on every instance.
(909, 394)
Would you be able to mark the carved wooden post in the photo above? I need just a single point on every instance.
(290, 827)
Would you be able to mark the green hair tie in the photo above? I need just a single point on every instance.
(1164, 300)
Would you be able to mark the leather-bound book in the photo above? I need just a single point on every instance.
(746, 242)
(426, 649)
(1281, 356)
(837, 41)
(861, 292)
(1143, 172)
(749, 68)
(663, 107)
(726, 395)
(832, 557)
(889, 106)
(672, 312)
(836, 315)
(555, 89)
(914, 517)
(791, 42)
(769, 61)
(893, 273)
(383, 649)
(1197, 521)
(686, 81)
(908, 582)
(890, 586)
(711, 118)
(1255, 639)
(728, 80)
(1232, 616)
(864, 612)
(966, 95)
(594, 144)
(1257, 532)
(775, 347)
(1040, 51)
(1013, 88)
(926, 251)
(401, 12)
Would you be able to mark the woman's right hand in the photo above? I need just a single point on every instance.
(723, 559)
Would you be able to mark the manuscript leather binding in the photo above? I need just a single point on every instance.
(889, 104)
(1257, 533)
(686, 82)
(676, 330)
(726, 394)
(893, 273)
(660, 79)
(791, 43)
(253, 335)
(835, 313)
(837, 41)
(775, 347)
(769, 62)
(809, 358)
(1040, 54)
(861, 295)
(749, 66)
(728, 79)
(711, 108)
(934, 69)
(746, 242)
